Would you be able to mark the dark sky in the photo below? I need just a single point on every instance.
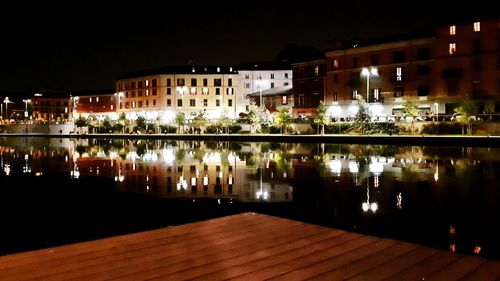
(86, 46)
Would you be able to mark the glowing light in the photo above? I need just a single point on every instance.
(399, 200)
(335, 166)
(205, 180)
(262, 194)
(477, 250)
(353, 167)
(168, 155)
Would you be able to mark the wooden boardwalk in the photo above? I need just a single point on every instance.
(245, 247)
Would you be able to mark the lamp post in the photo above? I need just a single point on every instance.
(437, 111)
(371, 71)
(26, 107)
(6, 101)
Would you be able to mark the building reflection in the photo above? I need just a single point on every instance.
(358, 182)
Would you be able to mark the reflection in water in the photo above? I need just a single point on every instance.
(450, 193)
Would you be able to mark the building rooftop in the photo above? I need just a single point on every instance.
(182, 69)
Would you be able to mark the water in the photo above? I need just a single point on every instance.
(59, 191)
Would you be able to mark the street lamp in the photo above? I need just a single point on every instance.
(26, 107)
(261, 83)
(371, 71)
(7, 101)
(437, 111)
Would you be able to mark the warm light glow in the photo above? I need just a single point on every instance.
(477, 250)
(262, 194)
(477, 26)
(453, 48)
(205, 180)
(353, 167)
(453, 29)
(335, 166)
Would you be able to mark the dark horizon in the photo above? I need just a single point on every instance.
(89, 47)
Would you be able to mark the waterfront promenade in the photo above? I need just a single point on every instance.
(448, 140)
(246, 246)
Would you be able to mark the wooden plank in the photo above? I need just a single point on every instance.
(426, 267)
(488, 271)
(121, 240)
(396, 265)
(275, 256)
(457, 269)
(168, 247)
(170, 269)
(246, 247)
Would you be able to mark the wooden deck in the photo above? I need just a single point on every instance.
(246, 247)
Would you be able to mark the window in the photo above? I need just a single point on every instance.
(354, 62)
(335, 96)
(229, 102)
(192, 102)
(153, 82)
(229, 91)
(154, 102)
(169, 91)
(453, 48)
(423, 90)
(354, 94)
(90, 99)
(399, 74)
(147, 92)
(423, 69)
(193, 91)
(376, 94)
(272, 84)
(218, 82)
(217, 91)
(301, 100)
(374, 59)
(169, 102)
(147, 103)
(140, 104)
(217, 102)
(180, 81)
(193, 82)
(133, 104)
(285, 83)
(335, 64)
(286, 75)
(272, 75)
(169, 82)
(179, 102)
(230, 82)
(205, 91)
(453, 29)
(422, 53)
(155, 92)
(398, 56)
(476, 65)
(147, 83)
(476, 46)
(316, 70)
(205, 82)
(247, 76)
(398, 91)
(247, 85)
(139, 93)
(284, 100)
(477, 26)
(335, 78)
(205, 102)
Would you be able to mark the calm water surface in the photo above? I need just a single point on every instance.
(59, 191)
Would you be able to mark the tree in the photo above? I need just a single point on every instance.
(322, 117)
(362, 117)
(224, 121)
(140, 123)
(467, 110)
(199, 121)
(253, 117)
(410, 109)
(80, 122)
(180, 120)
(283, 118)
(122, 122)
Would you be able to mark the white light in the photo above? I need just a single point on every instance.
(168, 155)
(374, 207)
(365, 206)
(262, 194)
(376, 168)
(353, 167)
(205, 180)
(335, 166)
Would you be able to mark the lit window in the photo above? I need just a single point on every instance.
(218, 69)
(477, 26)
(453, 30)
(284, 100)
(193, 91)
(453, 48)
(133, 104)
(147, 83)
(147, 92)
(316, 71)
(90, 99)
(335, 64)
(97, 99)
(399, 74)
(272, 75)
(354, 94)
(376, 94)
(205, 91)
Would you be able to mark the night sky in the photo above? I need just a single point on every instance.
(86, 46)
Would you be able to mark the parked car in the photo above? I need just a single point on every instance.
(457, 116)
